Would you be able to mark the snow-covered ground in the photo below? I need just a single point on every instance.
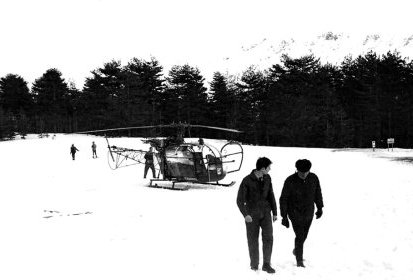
(64, 219)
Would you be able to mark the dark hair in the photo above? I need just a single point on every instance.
(303, 165)
(262, 162)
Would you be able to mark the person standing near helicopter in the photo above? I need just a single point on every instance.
(94, 155)
(256, 201)
(149, 163)
(73, 151)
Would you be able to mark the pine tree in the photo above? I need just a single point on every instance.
(51, 98)
(361, 97)
(186, 88)
(409, 104)
(75, 108)
(143, 85)
(7, 125)
(101, 97)
(220, 100)
(252, 94)
(292, 91)
(14, 94)
(392, 80)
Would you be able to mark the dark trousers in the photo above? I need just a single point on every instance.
(152, 167)
(301, 227)
(94, 154)
(73, 156)
(253, 232)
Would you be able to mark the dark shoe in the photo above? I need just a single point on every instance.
(285, 222)
(300, 264)
(267, 268)
(295, 254)
(255, 268)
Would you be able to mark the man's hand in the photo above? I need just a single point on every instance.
(248, 219)
(285, 222)
(319, 213)
(274, 218)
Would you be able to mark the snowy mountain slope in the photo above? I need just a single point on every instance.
(65, 219)
(329, 47)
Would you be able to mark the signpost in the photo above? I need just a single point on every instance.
(390, 141)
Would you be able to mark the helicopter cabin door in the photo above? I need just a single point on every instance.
(232, 156)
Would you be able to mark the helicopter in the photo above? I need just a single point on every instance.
(180, 165)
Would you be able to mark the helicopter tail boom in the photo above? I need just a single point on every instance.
(122, 157)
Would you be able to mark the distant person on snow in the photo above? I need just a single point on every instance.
(149, 163)
(94, 155)
(256, 201)
(300, 192)
(73, 151)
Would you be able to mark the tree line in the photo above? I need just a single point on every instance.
(297, 102)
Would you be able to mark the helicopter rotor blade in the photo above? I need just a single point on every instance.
(117, 129)
(159, 126)
(217, 128)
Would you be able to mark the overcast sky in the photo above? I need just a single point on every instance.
(78, 36)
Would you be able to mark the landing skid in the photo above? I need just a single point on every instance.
(219, 184)
(182, 186)
(166, 184)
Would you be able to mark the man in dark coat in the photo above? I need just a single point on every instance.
(149, 163)
(256, 200)
(73, 151)
(300, 192)
(94, 155)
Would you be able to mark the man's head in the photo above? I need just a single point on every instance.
(263, 165)
(303, 167)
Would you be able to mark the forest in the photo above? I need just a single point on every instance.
(298, 102)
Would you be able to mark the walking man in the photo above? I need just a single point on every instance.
(94, 155)
(73, 151)
(300, 192)
(149, 163)
(256, 201)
